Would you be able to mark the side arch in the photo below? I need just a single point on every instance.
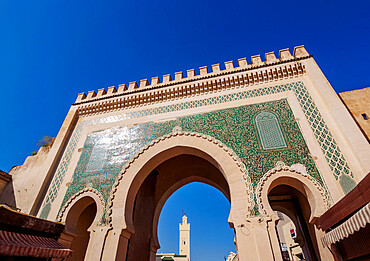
(167, 147)
(296, 177)
(80, 201)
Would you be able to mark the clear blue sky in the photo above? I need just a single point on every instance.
(207, 209)
(52, 50)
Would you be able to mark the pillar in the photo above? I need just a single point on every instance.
(96, 243)
(116, 244)
(271, 226)
(154, 246)
(253, 242)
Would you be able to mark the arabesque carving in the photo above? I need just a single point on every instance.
(281, 167)
(79, 195)
(229, 153)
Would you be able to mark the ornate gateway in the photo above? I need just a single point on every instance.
(268, 135)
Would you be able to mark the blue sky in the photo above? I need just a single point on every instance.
(207, 210)
(52, 50)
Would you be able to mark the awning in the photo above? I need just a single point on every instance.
(16, 244)
(353, 224)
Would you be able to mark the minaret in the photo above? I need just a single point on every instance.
(184, 237)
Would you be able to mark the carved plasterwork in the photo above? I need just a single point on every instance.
(86, 192)
(226, 150)
(297, 172)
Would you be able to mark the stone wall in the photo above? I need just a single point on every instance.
(357, 102)
(27, 179)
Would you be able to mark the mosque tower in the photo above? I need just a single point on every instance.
(184, 228)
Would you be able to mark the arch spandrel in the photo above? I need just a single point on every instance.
(167, 147)
(296, 177)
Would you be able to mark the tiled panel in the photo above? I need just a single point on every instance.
(98, 155)
(332, 153)
(269, 131)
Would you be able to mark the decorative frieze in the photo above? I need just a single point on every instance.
(287, 66)
(180, 91)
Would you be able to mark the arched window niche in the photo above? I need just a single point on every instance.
(269, 131)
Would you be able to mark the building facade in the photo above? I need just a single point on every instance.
(271, 136)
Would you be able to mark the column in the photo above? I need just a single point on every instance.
(252, 239)
(116, 244)
(96, 243)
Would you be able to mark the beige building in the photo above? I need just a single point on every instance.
(271, 135)
(184, 238)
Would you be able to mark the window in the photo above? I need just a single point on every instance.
(269, 131)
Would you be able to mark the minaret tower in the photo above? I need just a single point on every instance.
(184, 237)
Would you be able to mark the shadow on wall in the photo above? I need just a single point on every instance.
(7, 197)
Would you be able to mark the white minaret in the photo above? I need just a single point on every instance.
(184, 237)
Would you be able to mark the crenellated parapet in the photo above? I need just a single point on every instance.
(271, 69)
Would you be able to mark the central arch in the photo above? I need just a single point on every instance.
(218, 167)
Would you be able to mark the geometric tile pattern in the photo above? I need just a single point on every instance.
(330, 149)
(269, 131)
(233, 126)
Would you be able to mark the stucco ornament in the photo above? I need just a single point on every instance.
(280, 169)
(177, 132)
(89, 192)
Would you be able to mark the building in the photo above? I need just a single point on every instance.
(184, 244)
(357, 102)
(271, 135)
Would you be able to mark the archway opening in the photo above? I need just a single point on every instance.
(207, 210)
(158, 186)
(79, 219)
(296, 208)
(288, 238)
